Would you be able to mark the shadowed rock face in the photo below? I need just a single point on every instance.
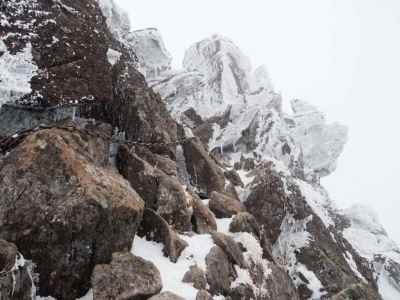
(15, 274)
(78, 60)
(64, 209)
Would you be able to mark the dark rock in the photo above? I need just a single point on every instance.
(203, 219)
(242, 291)
(358, 292)
(126, 277)
(155, 228)
(166, 296)
(205, 173)
(230, 247)
(76, 69)
(63, 209)
(15, 279)
(224, 206)
(196, 276)
(271, 200)
(203, 295)
(245, 222)
(192, 115)
(234, 177)
(164, 194)
(246, 164)
(220, 273)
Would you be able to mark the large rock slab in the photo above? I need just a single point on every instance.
(162, 193)
(64, 209)
(224, 206)
(126, 277)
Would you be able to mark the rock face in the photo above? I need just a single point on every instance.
(126, 277)
(15, 274)
(59, 199)
(85, 103)
(161, 192)
(224, 206)
(220, 273)
(155, 228)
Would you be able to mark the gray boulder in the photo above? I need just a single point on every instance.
(126, 277)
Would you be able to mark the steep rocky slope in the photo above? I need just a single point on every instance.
(122, 178)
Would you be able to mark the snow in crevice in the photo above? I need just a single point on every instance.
(293, 237)
(16, 73)
(113, 56)
(172, 273)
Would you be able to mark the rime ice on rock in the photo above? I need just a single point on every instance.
(154, 58)
(320, 142)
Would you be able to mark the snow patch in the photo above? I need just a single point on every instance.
(16, 73)
(113, 56)
(172, 273)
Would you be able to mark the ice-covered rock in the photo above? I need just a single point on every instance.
(320, 142)
(154, 58)
(371, 241)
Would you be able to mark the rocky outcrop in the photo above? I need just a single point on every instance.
(205, 173)
(195, 276)
(224, 206)
(15, 274)
(220, 273)
(203, 219)
(161, 192)
(245, 222)
(126, 277)
(63, 208)
(155, 228)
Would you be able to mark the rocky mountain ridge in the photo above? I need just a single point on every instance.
(122, 178)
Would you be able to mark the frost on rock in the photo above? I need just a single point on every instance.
(320, 142)
(117, 20)
(154, 58)
(215, 75)
(371, 241)
(16, 73)
(294, 237)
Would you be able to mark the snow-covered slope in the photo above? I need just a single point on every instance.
(236, 112)
(370, 239)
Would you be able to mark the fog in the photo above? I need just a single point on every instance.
(341, 55)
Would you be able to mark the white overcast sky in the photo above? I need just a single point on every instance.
(343, 56)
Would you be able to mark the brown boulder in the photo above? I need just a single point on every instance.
(203, 295)
(245, 222)
(63, 209)
(155, 228)
(234, 177)
(230, 247)
(220, 273)
(224, 206)
(205, 173)
(196, 276)
(164, 194)
(126, 277)
(203, 219)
